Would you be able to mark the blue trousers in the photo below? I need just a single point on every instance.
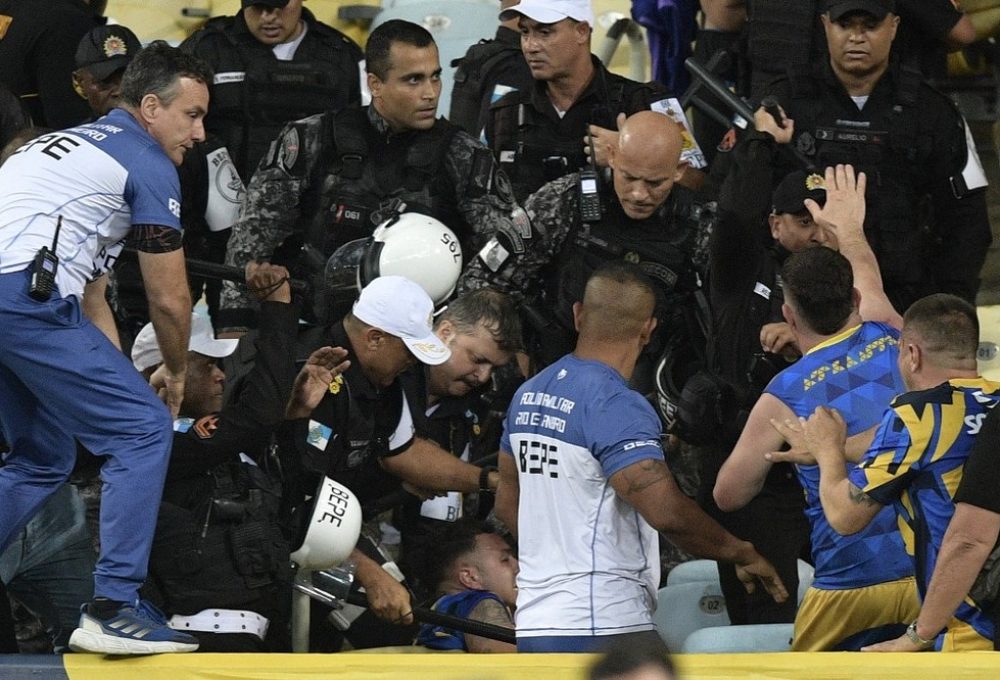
(49, 566)
(61, 379)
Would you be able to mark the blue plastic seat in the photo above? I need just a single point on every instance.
(765, 637)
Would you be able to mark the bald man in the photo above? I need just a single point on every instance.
(584, 486)
(574, 224)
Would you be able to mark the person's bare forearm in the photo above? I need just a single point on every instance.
(508, 494)
(165, 278)
(693, 530)
(969, 540)
(428, 466)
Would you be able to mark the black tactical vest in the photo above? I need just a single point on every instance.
(886, 142)
(249, 111)
(667, 247)
(524, 142)
(363, 180)
(223, 551)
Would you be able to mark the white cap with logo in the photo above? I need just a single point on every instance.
(402, 308)
(551, 11)
(146, 350)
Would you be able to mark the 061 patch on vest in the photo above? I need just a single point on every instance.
(205, 427)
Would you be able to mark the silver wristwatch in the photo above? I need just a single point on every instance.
(911, 633)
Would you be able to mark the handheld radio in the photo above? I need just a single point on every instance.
(590, 193)
(43, 269)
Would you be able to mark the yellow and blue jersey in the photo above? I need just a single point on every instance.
(856, 373)
(915, 463)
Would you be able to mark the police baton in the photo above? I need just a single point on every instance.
(213, 270)
(738, 105)
(330, 588)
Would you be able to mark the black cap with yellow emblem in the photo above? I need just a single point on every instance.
(107, 49)
(792, 192)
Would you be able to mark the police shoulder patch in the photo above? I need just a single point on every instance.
(5, 22)
(206, 426)
(284, 151)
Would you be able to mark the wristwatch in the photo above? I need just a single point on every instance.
(911, 633)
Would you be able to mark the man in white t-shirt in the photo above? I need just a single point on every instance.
(584, 486)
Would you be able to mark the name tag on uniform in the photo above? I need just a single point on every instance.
(446, 508)
(762, 290)
(229, 77)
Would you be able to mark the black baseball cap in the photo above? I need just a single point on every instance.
(277, 4)
(795, 188)
(107, 49)
(877, 8)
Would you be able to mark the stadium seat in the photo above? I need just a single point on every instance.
(704, 571)
(686, 607)
(765, 637)
(694, 571)
(806, 573)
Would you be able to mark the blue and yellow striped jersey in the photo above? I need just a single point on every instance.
(856, 373)
(915, 463)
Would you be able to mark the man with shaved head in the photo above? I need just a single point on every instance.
(585, 489)
(576, 223)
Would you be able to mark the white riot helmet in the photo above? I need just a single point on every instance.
(333, 529)
(412, 245)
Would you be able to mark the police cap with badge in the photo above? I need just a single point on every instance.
(105, 50)
(791, 193)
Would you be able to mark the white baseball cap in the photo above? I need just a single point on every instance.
(402, 308)
(146, 350)
(551, 11)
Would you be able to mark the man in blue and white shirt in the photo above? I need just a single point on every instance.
(584, 486)
(61, 378)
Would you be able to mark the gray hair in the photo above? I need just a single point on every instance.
(156, 70)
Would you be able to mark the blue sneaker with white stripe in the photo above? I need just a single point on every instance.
(138, 628)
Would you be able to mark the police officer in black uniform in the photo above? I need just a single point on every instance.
(748, 344)
(220, 562)
(538, 134)
(360, 433)
(334, 177)
(490, 69)
(450, 404)
(926, 219)
(274, 62)
(574, 224)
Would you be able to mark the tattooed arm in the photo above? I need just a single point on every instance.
(490, 611)
(649, 487)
